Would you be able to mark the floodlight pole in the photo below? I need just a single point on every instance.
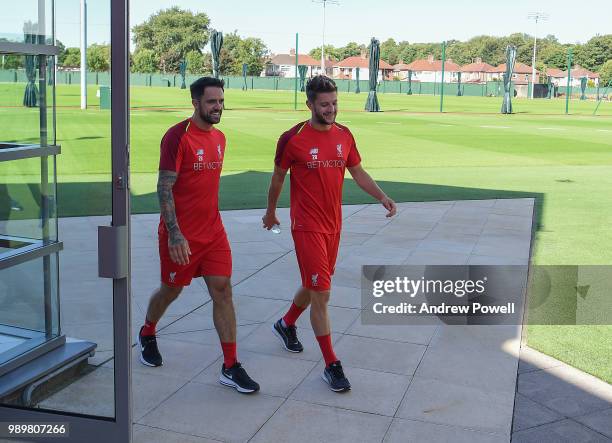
(83, 54)
(568, 88)
(536, 16)
(296, 73)
(324, 2)
(323, 45)
(442, 83)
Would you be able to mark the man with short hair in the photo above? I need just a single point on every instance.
(317, 151)
(192, 239)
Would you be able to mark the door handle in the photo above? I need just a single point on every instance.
(112, 251)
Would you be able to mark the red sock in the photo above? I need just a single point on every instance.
(293, 314)
(149, 328)
(229, 354)
(326, 348)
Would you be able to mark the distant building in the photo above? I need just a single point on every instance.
(346, 69)
(400, 70)
(521, 75)
(430, 70)
(283, 65)
(475, 72)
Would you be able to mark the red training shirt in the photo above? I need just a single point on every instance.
(197, 157)
(317, 160)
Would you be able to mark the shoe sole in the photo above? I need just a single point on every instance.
(283, 341)
(232, 384)
(143, 361)
(330, 386)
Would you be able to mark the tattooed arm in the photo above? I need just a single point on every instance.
(177, 244)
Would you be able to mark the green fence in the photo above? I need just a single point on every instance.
(489, 89)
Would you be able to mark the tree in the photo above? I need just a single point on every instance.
(330, 50)
(351, 49)
(72, 58)
(605, 73)
(594, 53)
(236, 51)
(172, 33)
(389, 51)
(98, 58)
(195, 62)
(145, 61)
(62, 52)
(253, 52)
(554, 55)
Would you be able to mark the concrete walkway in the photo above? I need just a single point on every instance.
(410, 383)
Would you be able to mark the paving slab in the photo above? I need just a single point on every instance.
(566, 390)
(371, 391)
(300, 422)
(529, 414)
(214, 412)
(565, 431)
(403, 430)
(600, 421)
(448, 403)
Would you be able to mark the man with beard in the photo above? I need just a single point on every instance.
(317, 151)
(192, 239)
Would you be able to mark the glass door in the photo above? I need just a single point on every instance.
(64, 222)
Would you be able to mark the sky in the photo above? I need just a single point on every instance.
(276, 22)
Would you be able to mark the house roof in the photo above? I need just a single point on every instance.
(477, 67)
(557, 73)
(433, 65)
(288, 59)
(519, 68)
(579, 71)
(360, 62)
(401, 67)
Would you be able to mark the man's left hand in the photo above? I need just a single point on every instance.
(389, 206)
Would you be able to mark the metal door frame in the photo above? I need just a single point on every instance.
(89, 428)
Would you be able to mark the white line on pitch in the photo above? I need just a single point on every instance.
(389, 123)
(553, 129)
(285, 119)
(605, 130)
(495, 127)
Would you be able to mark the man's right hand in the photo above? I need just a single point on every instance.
(269, 220)
(178, 248)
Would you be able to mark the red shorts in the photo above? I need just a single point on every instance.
(316, 255)
(210, 258)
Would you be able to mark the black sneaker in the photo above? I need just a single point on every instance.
(236, 377)
(288, 336)
(334, 376)
(149, 354)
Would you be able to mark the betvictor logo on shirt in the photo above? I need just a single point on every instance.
(201, 164)
(325, 164)
(328, 157)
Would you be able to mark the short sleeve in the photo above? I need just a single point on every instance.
(283, 157)
(169, 150)
(353, 156)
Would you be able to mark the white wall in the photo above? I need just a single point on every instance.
(435, 76)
